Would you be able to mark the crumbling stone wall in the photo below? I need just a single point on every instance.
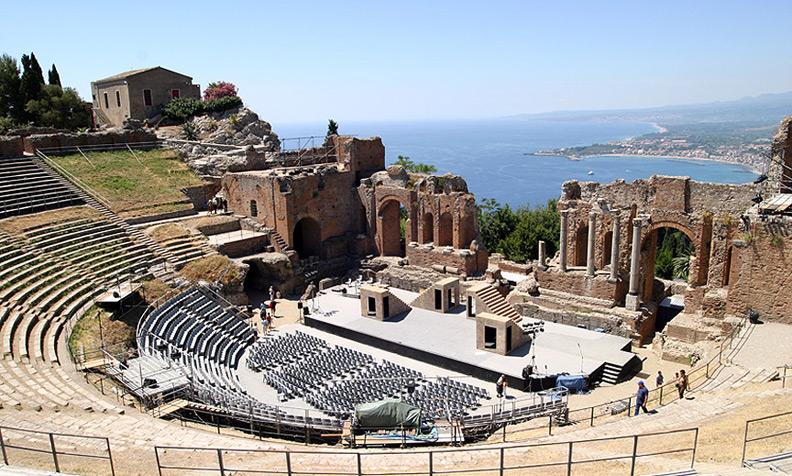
(705, 212)
(762, 270)
(11, 146)
(779, 171)
(441, 219)
(80, 139)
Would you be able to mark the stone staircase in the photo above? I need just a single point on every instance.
(489, 299)
(611, 373)
(277, 240)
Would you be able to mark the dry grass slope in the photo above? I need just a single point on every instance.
(212, 268)
(134, 188)
(18, 225)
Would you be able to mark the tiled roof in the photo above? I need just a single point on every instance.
(127, 74)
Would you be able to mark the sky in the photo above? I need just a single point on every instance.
(301, 61)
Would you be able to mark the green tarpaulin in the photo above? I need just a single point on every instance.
(387, 414)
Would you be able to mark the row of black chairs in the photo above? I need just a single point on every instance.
(271, 352)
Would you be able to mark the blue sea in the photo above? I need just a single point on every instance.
(495, 157)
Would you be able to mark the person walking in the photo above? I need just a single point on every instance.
(641, 397)
(659, 379)
(271, 293)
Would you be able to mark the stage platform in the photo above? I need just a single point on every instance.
(449, 341)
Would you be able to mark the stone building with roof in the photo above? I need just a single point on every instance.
(138, 94)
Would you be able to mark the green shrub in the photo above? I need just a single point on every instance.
(190, 131)
(222, 104)
(181, 109)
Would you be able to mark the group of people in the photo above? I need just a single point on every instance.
(217, 204)
(267, 309)
(642, 395)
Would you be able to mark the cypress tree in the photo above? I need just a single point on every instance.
(54, 77)
(32, 81)
(11, 104)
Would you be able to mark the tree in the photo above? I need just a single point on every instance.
(61, 108)
(414, 167)
(32, 81)
(332, 128)
(11, 104)
(516, 233)
(53, 77)
(220, 89)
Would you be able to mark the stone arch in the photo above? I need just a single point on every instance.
(606, 248)
(389, 228)
(649, 243)
(307, 238)
(427, 228)
(445, 230)
(581, 246)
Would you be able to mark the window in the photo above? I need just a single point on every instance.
(107, 103)
(118, 98)
(147, 97)
(175, 93)
(253, 208)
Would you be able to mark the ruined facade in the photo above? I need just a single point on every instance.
(605, 270)
(350, 206)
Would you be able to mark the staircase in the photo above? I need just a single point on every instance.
(277, 240)
(92, 199)
(490, 300)
(611, 373)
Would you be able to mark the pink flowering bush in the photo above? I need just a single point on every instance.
(219, 89)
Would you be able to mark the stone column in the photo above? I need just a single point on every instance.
(632, 300)
(562, 257)
(592, 241)
(614, 274)
(542, 255)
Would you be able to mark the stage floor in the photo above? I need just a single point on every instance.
(559, 349)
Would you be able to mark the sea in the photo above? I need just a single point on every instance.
(495, 156)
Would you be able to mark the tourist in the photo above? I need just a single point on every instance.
(265, 323)
(272, 308)
(210, 206)
(660, 379)
(682, 384)
(271, 293)
(225, 205)
(501, 385)
(641, 397)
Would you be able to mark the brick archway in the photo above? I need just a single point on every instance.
(307, 238)
(649, 244)
(390, 241)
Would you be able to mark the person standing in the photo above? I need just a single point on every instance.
(659, 379)
(641, 397)
(271, 293)
(682, 384)
(501, 386)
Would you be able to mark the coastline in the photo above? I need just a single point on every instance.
(649, 156)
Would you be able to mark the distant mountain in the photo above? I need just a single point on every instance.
(762, 109)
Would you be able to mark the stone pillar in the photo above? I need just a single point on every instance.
(614, 274)
(592, 241)
(632, 301)
(542, 255)
(562, 257)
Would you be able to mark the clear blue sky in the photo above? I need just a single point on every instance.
(382, 60)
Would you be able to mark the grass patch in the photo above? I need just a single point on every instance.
(129, 185)
(18, 225)
(168, 231)
(155, 289)
(96, 326)
(211, 268)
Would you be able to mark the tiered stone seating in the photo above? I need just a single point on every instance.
(26, 187)
(49, 274)
(186, 249)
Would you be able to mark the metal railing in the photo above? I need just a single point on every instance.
(770, 419)
(564, 456)
(12, 440)
(76, 149)
(47, 161)
(623, 408)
